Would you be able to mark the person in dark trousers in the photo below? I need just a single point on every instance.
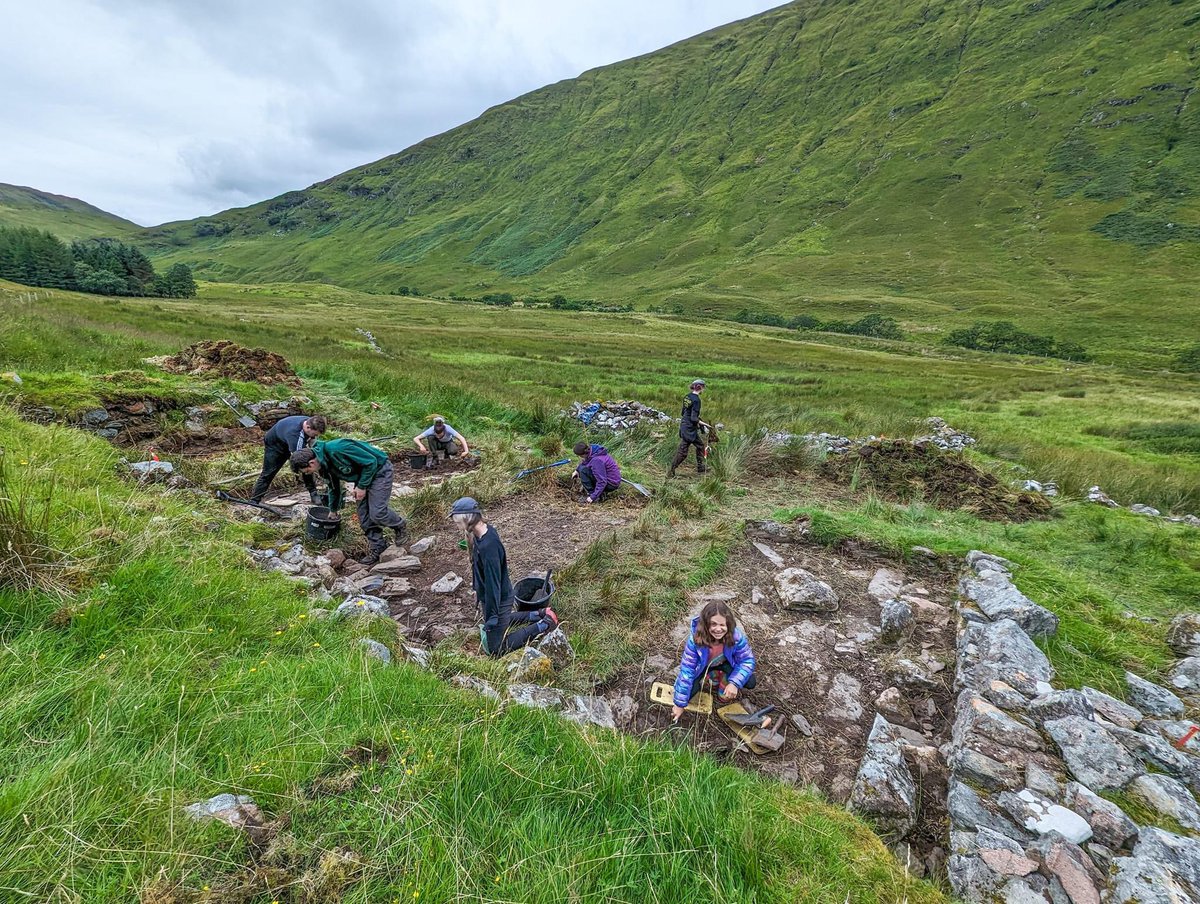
(291, 434)
(443, 438)
(504, 629)
(718, 652)
(599, 474)
(370, 471)
(691, 432)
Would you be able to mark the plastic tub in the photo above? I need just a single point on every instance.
(320, 526)
(531, 593)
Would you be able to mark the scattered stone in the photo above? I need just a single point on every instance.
(394, 587)
(376, 649)
(844, 699)
(884, 789)
(1168, 796)
(896, 620)
(885, 585)
(924, 552)
(1138, 509)
(771, 555)
(447, 583)
(478, 685)
(891, 705)
(1164, 869)
(150, 471)
(535, 696)
(319, 614)
(1093, 757)
(616, 416)
(802, 725)
(423, 546)
(1152, 699)
(1059, 705)
(235, 810)
(800, 590)
(1185, 676)
(558, 647)
(911, 674)
(996, 595)
(590, 711)
(370, 584)
(419, 655)
(1118, 712)
(1037, 814)
(530, 666)
(1183, 634)
(791, 532)
(979, 562)
(624, 709)
(363, 604)
(1095, 494)
(397, 564)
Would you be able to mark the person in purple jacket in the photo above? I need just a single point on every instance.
(599, 474)
(717, 651)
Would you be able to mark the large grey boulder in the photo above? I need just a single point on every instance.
(1152, 699)
(558, 647)
(1001, 651)
(980, 562)
(1161, 755)
(805, 592)
(1163, 869)
(969, 811)
(535, 696)
(1168, 796)
(984, 771)
(1043, 817)
(1185, 676)
(1092, 754)
(1060, 704)
(976, 716)
(376, 649)
(1183, 734)
(884, 789)
(996, 595)
(587, 710)
(1183, 634)
(1111, 826)
(1118, 712)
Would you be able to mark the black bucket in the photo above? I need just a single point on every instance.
(320, 526)
(417, 460)
(532, 593)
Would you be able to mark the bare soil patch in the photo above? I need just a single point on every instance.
(828, 668)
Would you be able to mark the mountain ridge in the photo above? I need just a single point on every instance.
(67, 217)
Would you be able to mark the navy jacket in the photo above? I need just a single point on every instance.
(286, 434)
(689, 421)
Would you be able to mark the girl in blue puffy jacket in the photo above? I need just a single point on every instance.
(714, 634)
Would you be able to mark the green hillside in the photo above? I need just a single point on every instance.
(68, 218)
(943, 161)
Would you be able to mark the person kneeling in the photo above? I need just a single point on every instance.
(717, 652)
(599, 474)
(504, 629)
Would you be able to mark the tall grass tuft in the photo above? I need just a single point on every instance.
(28, 559)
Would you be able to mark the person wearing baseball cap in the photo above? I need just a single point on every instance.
(691, 431)
(504, 629)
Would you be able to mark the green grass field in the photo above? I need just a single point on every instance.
(154, 667)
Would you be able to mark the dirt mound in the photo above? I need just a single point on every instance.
(223, 358)
(920, 470)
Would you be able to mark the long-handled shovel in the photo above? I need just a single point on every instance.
(225, 497)
(244, 419)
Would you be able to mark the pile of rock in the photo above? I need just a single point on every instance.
(333, 572)
(615, 416)
(1097, 495)
(1046, 488)
(942, 435)
(1030, 762)
(946, 437)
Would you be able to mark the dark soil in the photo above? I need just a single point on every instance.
(223, 358)
(909, 471)
(800, 658)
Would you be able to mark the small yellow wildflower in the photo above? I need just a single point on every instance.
(254, 670)
(103, 656)
(315, 644)
(303, 616)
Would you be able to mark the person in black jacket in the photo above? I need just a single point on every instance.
(691, 431)
(291, 434)
(499, 634)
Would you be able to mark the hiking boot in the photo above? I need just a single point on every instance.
(671, 474)
(401, 532)
(372, 557)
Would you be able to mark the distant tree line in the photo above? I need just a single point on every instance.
(1005, 336)
(876, 326)
(101, 266)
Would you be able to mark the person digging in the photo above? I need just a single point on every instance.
(692, 432)
(444, 439)
(598, 473)
(370, 471)
(291, 434)
(504, 628)
(717, 653)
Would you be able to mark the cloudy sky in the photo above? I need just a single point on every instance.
(169, 109)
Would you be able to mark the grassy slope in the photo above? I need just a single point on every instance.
(941, 162)
(68, 218)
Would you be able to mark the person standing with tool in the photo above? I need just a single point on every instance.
(443, 438)
(291, 434)
(369, 469)
(692, 431)
(499, 633)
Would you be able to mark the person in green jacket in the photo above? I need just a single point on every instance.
(370, 471)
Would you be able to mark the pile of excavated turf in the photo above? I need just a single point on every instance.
(909, 471)
(223, 358)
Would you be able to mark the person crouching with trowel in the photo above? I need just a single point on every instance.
(499, 633)
(370, 471)
(444, 439)
(717, 652)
